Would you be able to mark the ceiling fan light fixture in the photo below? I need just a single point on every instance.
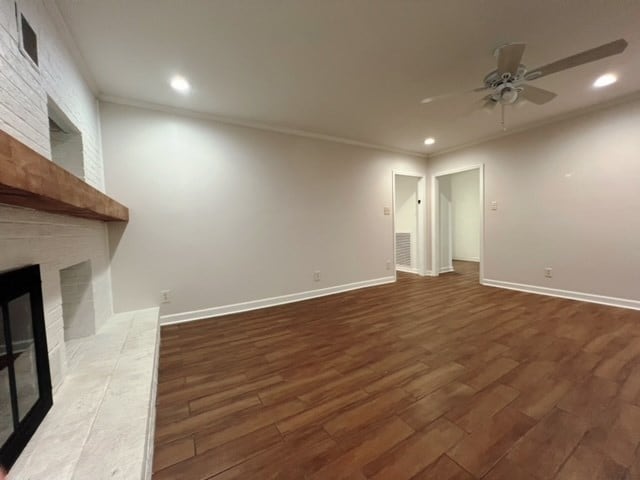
(509, 96)
(429, 141)
(605, 80)
(180, 84)
(506, 93)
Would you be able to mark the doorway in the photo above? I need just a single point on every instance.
(408, 224)
(458, 221)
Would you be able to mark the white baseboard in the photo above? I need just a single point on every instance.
(446, 269)
(268, 302)
(468, 259)
(401, 268)
(554, 292)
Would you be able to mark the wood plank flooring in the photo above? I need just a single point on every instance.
(427, 378)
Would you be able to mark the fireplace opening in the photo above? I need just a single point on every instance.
(25, 379)
(78, 310)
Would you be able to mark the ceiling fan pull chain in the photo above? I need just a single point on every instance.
(504, 128)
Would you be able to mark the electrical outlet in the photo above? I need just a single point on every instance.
(388, 265)
(316, 276)
(548, 272)
(165, 296)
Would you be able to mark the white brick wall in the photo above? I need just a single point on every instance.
(56, 242)
(26, 236)
(24, 90)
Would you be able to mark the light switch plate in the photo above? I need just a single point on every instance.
(165, 296)
(387, 210)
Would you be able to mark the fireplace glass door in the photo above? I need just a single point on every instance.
(25, 382)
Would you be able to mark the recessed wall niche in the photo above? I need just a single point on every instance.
(78, 311)
(66, 141)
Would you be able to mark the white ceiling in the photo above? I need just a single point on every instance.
(355, 69)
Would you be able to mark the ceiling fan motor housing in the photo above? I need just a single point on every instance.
(505, 87)
(494, 79)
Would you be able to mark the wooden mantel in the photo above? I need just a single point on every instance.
(27, 179)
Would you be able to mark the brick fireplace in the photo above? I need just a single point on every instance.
(31, 237)
(56, 220)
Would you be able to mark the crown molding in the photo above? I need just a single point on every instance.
(540, 123)
(72, 45)
(347, 141)
(255, 125)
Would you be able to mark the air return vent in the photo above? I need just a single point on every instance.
(403, 249)
(28, 37)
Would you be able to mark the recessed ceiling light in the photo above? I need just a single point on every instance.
(180, 84)
(429, 141)
(604, 80)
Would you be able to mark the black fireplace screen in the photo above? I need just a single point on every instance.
(25, 381)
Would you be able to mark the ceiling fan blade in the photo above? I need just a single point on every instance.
(483, 104)
(450, 95)
(488, 104)
(603, 51)
(536, 95)
(509, 57)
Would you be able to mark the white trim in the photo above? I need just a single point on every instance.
(435, 215)
(256, 125)
(554, 292)
(467, 259)
(402, 268)
(72, 45)
(421, 212)
(458, 170)
(446, 269)
(450, 239)
(269, 302)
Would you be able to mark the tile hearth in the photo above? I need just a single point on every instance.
(102, 420)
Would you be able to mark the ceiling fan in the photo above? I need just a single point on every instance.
(509, 82)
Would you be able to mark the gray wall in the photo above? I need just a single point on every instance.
(224, 214)
(568, 197)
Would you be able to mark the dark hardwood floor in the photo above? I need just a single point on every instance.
(427, 378)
